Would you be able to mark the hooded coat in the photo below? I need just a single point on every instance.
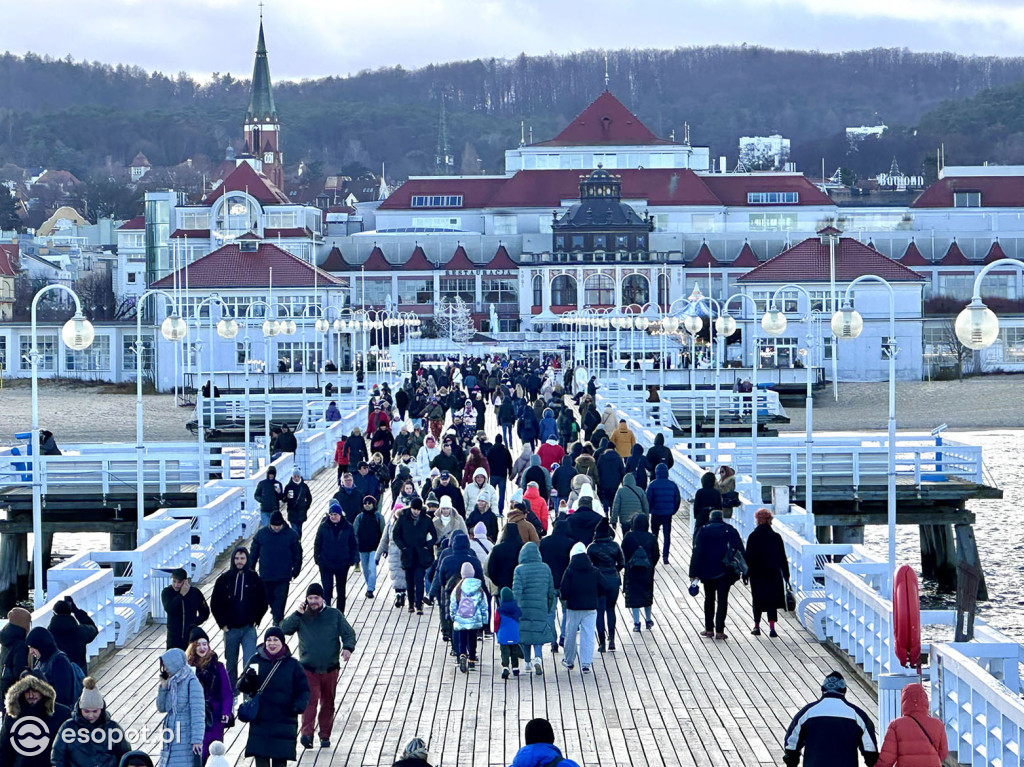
(534, 589)
(48, 710)
(504, 558)
(555, 548)
(541, 755)
(710, 547)
(15, 649)
(273, 733)
(388, 548)
(630, 502)
(587, 466)
(527, 532)
(636, 465)
(499, 459)
(610, 471)
(581, 584)
(583, 522)
(537, 473)
(182, 702)
(663, 496)
(528, 428)
(54, 666)
(705, 500)
(459, 552)
(72, 632)
(474, 492)
(607, 557)
(239, 598)
(609, 421)
(769, 568)
(475, 461)
(468, 588)
(487, 518)
(522, 463)
(550, 454)
(561, 478)
(640, 551)
(914, 739)
(538, 504)
(548, 425)
(335, 545)
(658, 453)
(623, 439)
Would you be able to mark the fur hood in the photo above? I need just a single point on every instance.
(12, 704)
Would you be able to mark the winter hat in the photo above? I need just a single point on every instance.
(315, 590)
(603, 529)
(552, 440)
(90, 697)
(196, 634)
(431, 499)
(296, 472)
(577, 548)
(517, 496)
(467, 570)
(446, 502)
(507, 595)
(179, 574)
(369, 499)
(277, 518)
(416, 749)
(587, 492)
(21, 618)
(333, 507)
(717, 516)
(62, 608)
(834, 682)
(479, 531)
(538, 731)
(273, 631)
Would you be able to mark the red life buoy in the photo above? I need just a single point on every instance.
(906, 617)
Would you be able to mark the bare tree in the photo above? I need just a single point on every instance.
(949, 346)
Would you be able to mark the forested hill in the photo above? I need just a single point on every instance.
(89, 117)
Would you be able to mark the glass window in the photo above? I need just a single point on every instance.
(621, 242)
(599, 242)
(599, 290)
(563, 291)
(1000, 286)
(437, 201)
(538, 291)
(771, 222)
(193, 219)
(437, 222)
(416, 291)
(292, 355)
(641, 242)
(1012, 341)
(773, 198)
(957, 285)
(500, 291)
(577, 242)
(94, 358)
(47, 348)
(280, 219)
(235, 215)
(509, 325)
(465, 287)
(787, 301)
(821, 300)
(376, 294)
(3, 353)
(128, 355)
(635, 290)
(663, 290)
(966, 199)
(559, 242)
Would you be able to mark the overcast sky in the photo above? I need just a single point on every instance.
(316, 38)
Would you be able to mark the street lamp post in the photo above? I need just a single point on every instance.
(848, 324)
(726, 326)
(77, 334)
(977, 326)
(226, 328)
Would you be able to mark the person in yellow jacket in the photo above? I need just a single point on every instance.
(623, 439)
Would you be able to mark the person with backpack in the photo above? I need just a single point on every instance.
(914, 739)
(607, 557)
(716, 547)
(640, 550)
(54, 666)
(663, 499)
(73, 630)
(629, 503)
(540, 749)
(369, 529)
(179, 697)
(217, 690)
(506, 623)
(468, 607)
(185, 606)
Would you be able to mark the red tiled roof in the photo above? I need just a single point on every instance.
(996, 191)
(502, 260)
(196, 234)
(376, 262)
(244, 178)
(476, 192)
(460, 260)
(335, 262)
(955, 257)
(912, 256)
(9, 264)
(829, 230)
(138, 222)
(994, 253)
(297, 231)
(808, 261)
(250, 235)
(418, 262)
(746, 258)
(731, 189)
(229, 267)
(605, 121)
(703, 259)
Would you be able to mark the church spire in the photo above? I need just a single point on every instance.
(261, 97)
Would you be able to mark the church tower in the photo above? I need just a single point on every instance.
(262, 129)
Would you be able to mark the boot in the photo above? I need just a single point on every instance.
(611, 643)
(601, 646)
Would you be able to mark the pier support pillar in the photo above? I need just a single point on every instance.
(967, 552)
(943, 555)
(848, 534)
(927, 550)
(13, 570)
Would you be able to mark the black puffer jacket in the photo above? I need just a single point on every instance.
(504, 558)
(607, 557)
(416, 538)
(710, 547)
(555, 548)
(581, 584)
(335, 545)
(658, 453)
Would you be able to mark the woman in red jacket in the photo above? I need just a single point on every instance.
(915, 739)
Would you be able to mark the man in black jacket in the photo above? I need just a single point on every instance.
(349, 497)
(610, 472)
(580, 588)
(238, 603)
(334, 551)
(831, 730)
(72, 630)
(415, 537)
(186, 609)
(268, 495)
(298, 498)
(499, 459)
(286, 442)
(369, 529)
(278, 554)
(715, 546)
(584, 521)
(554, 551)
(447, 487)
(446, 460)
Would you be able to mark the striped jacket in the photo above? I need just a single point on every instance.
(829, 732)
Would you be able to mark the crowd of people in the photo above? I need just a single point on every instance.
(526, 540)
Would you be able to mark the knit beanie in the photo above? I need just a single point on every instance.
(90, 697)
(834, 682)
(21, 618)
(507, 595)
(538, 731)
(196, 634)
(315, 590)
(277, 518)
(62, 608)
(577, 548)
(467, 570)
(416, 749)
(273, 631)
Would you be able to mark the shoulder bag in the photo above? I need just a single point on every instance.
(249, 709)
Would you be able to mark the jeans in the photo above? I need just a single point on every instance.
(506, 434)
(246, 637)
(656, 524)
(322, 689)
(530, 650)
(584, 622)
(265, 518)
(499, 484)
(328, 577)
(636, 614)
(565, 615)
(277, 595)
(606, 614)
(297, 527)
(368, 562)
(464, 642)
(414, 583)
(714, 617)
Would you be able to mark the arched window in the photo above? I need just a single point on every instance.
(538, 291)
(599, 290)
(563, 291)
(635, 290)
(663, 290)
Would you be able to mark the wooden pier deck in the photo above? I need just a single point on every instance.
(665, 697)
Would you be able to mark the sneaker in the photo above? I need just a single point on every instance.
(554, 647)
(611, 645)
(472, 665)
(773, 634)
(601, 647)
(586, 669)
(756, 631)
(505, 674)
(515, 672)
(708, 634)
(412, 609)
(650, 624)
(463, 664)
(428, 601)
(369, 595)
(567, 664)
(325, 742)
(419, 611)
(306, 741)
(636, 627)
(538, 668)
(721, 635)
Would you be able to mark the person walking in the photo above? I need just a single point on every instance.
(914, 739)
(768, 572)
(53, 666)
(325, 636)
(610, 473)
(716, 544)
(284, 692)
(73, 630)
(104, 743)
(534, 590)
(369, 529)
(540, 749)
(415, 536)
(268, 495)
(581, 590)
(499, 459)
(281, 553)
(663, 499)
(186, 609)
(217, 690)
(447, 521)
(179, 697)
(607, 557)
(640, 551)
(629, 503)
(349, 497)
(554, 551)
(298, 498)
(658, 454)
(414, 754)
(238, 603)
(31, 697)
(335, 550)
(622, 439)
(481, 514)
(15, 648)
(705, 500)
(830, 731)
(468, 605)
(506, 630)
(389, 549)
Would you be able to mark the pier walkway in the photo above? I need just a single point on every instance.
(665, 697)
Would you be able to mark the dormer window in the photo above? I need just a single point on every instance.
(246, 245)
(967, 199)
(773, 198)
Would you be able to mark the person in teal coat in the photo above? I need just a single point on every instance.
(533, 587)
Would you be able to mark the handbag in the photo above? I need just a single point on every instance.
(790, 597)
(735, 563)
(249, 709)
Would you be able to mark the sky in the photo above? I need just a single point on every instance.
(318, 38)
